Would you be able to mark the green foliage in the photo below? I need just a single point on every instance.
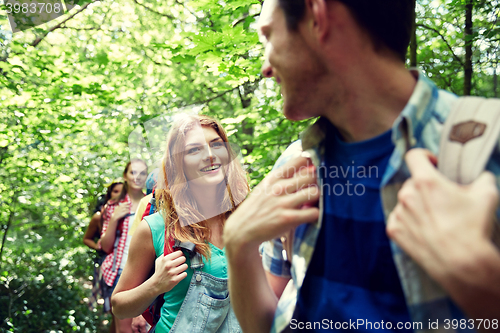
(43, 291)
(72, 90)
(441, 43)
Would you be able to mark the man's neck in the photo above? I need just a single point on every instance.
(372, 99)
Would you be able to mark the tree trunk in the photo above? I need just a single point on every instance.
(469, 6)
(5, 230)
(413, 41)
(495, 81)
(246, 93)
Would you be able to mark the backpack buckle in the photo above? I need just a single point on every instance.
(188, 246)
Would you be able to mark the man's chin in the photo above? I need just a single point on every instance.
(294, 113)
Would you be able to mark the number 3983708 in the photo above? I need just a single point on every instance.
(34, 8)
(471, 324)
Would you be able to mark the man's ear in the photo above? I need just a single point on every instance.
(318, 11)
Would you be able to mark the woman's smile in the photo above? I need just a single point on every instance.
(211, 168)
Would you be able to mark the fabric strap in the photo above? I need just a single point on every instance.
(469, 136)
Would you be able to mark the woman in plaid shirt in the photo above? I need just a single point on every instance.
(115, 238)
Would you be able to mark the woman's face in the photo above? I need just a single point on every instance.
(116, 191)
(136, 175)
(205, 154)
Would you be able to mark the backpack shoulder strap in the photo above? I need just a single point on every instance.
(469, 136)
(168, 246)
(153, 312)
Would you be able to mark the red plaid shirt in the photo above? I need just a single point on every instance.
(109, 274)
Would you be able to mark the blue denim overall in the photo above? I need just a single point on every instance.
(206, 307)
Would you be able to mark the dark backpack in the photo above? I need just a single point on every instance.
(153, 313)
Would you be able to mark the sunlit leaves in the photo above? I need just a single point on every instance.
(69, 104)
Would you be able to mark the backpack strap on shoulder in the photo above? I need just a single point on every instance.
(153, 313)
(469, 136)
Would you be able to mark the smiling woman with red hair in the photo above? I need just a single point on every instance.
(200, 185)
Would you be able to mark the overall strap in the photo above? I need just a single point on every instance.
(197, 262)
(469, 136)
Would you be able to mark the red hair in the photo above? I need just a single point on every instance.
(174, 201)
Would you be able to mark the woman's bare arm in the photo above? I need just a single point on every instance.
(92, 230)
(135, 291)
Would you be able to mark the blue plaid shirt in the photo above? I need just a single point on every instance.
(419, 125)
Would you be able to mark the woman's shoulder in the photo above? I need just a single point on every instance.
(96, 216)
(155, 220)
(157, 227)
(95, 221)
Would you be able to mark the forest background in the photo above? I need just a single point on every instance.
(73, 89)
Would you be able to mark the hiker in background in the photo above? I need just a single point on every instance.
(115, 237)
(139, 324)
(92, 235)
(344, 61)
(92, 239)
(199, 186)
(144, 203)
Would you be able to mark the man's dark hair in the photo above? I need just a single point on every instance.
(389, 22)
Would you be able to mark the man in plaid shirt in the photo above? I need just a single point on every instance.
(343, 60)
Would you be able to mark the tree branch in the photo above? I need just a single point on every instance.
(60, 25)
(152, 60)
(235, 23)
(81, 29)
(154, 11)
(217, 96)
(208, 100)
(444, 40)
(189, 10)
